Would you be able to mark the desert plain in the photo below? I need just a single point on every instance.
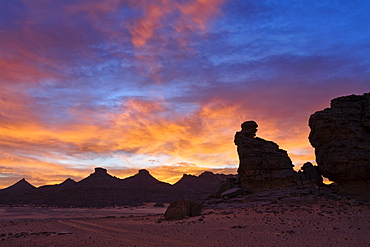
(321, 222)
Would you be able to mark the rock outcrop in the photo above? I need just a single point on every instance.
(261, 162)
(341, 138)
(182, 208)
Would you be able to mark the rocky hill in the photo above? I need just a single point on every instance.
(101, 189)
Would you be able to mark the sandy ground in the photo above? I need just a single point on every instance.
(39, 213)
(325, 223)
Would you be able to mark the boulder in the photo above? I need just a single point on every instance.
(312, 173)
(341, 138)
(182, 208)
(261, 161)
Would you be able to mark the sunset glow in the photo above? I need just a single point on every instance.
(164, 85)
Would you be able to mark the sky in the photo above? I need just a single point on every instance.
(164, 85)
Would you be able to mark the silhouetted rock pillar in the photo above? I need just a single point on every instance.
(261, 162)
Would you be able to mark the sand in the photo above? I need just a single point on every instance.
(323, 223)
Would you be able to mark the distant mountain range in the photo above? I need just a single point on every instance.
(101, 189)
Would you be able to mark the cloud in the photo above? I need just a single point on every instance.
(175, 17)
(37, 172)
(166, 26)
(203, 136)
(118, 83)
(59, 41)
(143, 127)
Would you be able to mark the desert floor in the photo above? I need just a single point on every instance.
(323, 223)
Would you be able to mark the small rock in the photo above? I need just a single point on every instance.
(158, 205)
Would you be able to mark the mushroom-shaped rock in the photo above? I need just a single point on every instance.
(261, 161)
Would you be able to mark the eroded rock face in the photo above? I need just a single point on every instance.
(341, 138)
(260, 160)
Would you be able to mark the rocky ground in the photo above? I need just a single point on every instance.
(282, 217)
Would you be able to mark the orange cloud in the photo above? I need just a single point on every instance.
(200, 135)
(37, 172)
(294, 140)
(173, 173)
(153, 27)
(144, 29)
(150, 128)
(175, 16)
(165, 21)
(204, 136)
(21, 68)
(195, 16)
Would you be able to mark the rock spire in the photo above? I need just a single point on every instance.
(261, 161)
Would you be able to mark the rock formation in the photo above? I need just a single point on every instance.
(312, 173)
(341, 138)
(182, 208)
(261, 162)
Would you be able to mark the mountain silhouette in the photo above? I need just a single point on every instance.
(22, 186)
(99, 179)
(67, 183)
(195, 187)
(56, 187)
(144, 178)
(101, 189)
